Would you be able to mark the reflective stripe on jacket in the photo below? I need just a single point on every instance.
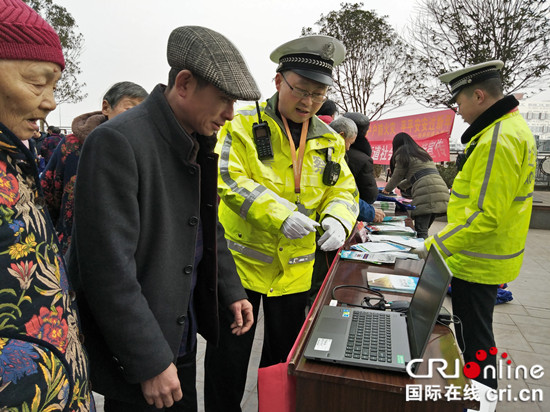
(490, 206)
(257, 196)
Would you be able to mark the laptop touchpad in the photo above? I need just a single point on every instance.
(337, 326)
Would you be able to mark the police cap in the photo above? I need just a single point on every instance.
(461, 78)
(312, 57)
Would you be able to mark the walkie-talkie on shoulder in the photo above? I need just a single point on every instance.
(262, 137)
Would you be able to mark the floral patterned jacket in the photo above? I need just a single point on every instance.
(43, 365)
(59, 177)
(48, 146)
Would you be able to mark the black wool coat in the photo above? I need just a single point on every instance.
(362, 168)
(139, 198)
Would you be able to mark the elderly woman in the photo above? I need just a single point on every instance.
(59, 177)
(347, 128)
(43, 365)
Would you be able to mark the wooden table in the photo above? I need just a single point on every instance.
(336, 388)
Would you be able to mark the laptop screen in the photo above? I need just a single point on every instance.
(426, 301)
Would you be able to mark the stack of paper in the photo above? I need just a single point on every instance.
(411, 242)
(374, 247)
(395, 218)
(391, 229)
(377, 258)
(384, 242)
(398, 223)
(387, 207)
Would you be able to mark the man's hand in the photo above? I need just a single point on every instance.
(409, 222)
(244, 318)
(379, 215)
(298, 225)
(164, 389)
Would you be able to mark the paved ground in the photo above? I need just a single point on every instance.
(522, 329)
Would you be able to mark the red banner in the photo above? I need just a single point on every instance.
(430, 130)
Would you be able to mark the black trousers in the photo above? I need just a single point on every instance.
(422, 224)
(323, 261)
(187, 372)
(474, 304)
(226, 366)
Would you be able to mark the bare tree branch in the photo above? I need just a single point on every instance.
(69, 90)
(373, 77)
(450, 34)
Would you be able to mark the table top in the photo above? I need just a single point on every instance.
(442, 344)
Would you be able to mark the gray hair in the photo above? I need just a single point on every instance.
(345, 126)
(124, 89)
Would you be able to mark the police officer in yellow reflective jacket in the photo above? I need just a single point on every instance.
(490, 206)
(282, 176)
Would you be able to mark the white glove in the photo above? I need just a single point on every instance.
(298, 225)
(334, 235)
(421, 251)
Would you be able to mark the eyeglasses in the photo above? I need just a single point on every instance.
(304, 94)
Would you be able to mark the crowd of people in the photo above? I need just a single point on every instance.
(166, 214)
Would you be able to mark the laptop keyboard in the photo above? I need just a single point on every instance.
(370, 337)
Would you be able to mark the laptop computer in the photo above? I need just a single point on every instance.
(382, 339)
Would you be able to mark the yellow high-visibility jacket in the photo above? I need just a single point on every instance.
(490, 206)
(257, 196)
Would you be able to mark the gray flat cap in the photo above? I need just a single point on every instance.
(214, 58)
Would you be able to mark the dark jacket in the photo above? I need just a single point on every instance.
(430, 193)
(139, 198)
(42, 360)
(362, 168)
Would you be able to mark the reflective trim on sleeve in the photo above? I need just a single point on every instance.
(459, 195)
(489, 167)
(347, 225)
(249, 197)
(302, 259)
(457, 229)
(245, 207)
(224, 168)
(254, 254)
(488, 256)
(439, 242)
(523, 198)
(286, 203)
(353, 207)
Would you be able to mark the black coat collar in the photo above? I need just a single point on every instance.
(171, 130)
(489, 116)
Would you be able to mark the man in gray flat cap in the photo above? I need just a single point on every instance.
(490, 207)
(149, 258)
(282, 175)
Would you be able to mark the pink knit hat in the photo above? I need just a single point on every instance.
(24, 35)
